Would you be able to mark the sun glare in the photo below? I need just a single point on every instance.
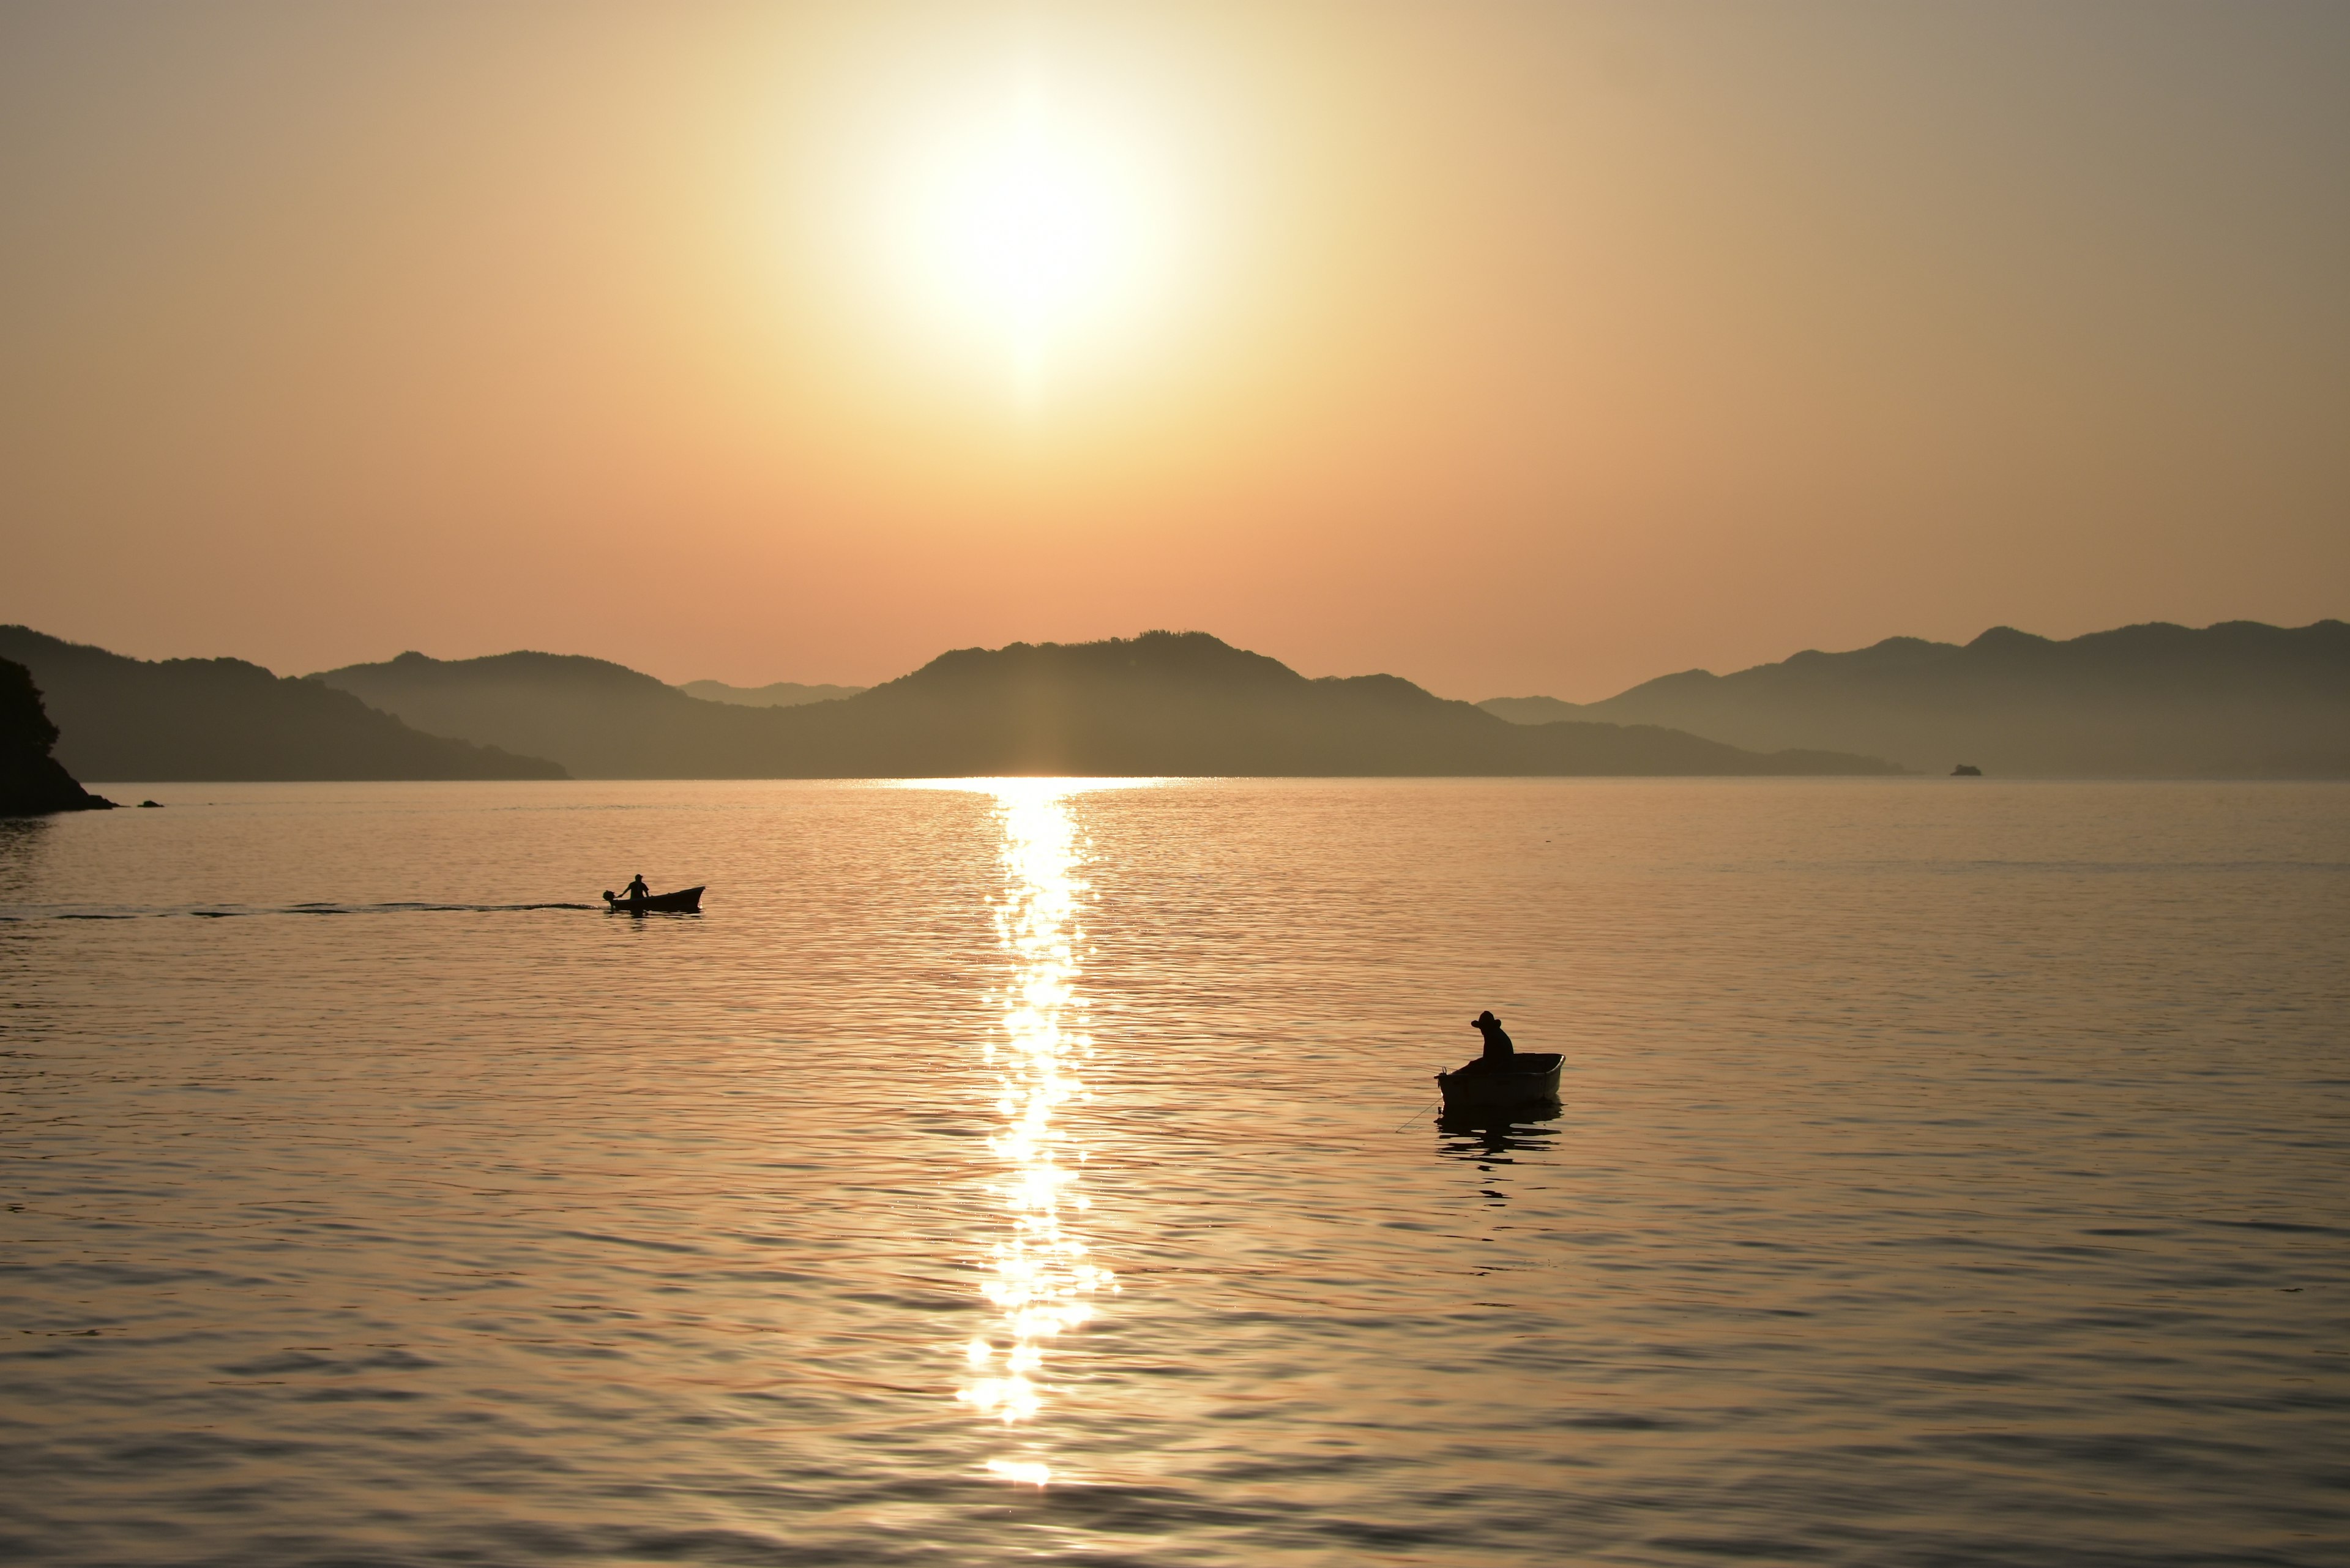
(1028, 229)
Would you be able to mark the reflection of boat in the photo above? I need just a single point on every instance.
(687, 902)
(1489, 1138)
(1505, 1082)
(1494, 1140)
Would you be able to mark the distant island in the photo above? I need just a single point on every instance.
(781, 694)
(182, 719)
(1162, 703)
(2239, 699)
(32, 781)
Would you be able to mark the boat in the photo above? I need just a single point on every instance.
(1527, 1079)
(685, 901)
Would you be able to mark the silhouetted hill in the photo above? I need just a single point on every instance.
(225, 718)
(31, 780)
(781, 694)
(2234, 701)
(600, 720)
(1162, 703)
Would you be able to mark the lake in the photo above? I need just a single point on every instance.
(1947, 1172)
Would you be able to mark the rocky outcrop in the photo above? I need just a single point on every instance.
(32, 781)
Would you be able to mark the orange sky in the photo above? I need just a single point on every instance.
(1512, 349)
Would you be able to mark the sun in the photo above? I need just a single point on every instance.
(1029, 232)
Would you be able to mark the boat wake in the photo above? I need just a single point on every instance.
(243, 912)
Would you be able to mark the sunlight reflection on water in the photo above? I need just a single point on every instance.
(1042, 1273)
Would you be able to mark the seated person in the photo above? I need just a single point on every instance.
(1498, 1049)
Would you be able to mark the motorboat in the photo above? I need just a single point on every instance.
(685, 901)
(1515, 1082)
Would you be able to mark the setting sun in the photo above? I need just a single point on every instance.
(1017, 228)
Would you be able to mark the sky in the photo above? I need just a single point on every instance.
(1512, 349)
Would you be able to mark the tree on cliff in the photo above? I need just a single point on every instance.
(31, 780)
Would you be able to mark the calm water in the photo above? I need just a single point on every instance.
(1947, 1174)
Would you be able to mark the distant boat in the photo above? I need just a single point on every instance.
(1528, 1078)
(1966, 770)
(687, 902)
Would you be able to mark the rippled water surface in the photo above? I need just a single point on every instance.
(1948, 1173)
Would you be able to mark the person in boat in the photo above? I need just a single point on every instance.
(1498, 1049)
(636, 889)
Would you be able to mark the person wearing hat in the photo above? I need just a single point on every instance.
(1498, 1049)
(637, 889)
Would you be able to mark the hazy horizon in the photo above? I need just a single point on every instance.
(1522, 350)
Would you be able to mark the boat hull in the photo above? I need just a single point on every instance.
(1526, 1079)
(687, 902)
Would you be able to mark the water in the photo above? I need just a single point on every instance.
(1947, 1174)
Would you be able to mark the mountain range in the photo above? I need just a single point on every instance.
(780, 694)
(1162, 703)
(179, 718)
(2239, 699)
